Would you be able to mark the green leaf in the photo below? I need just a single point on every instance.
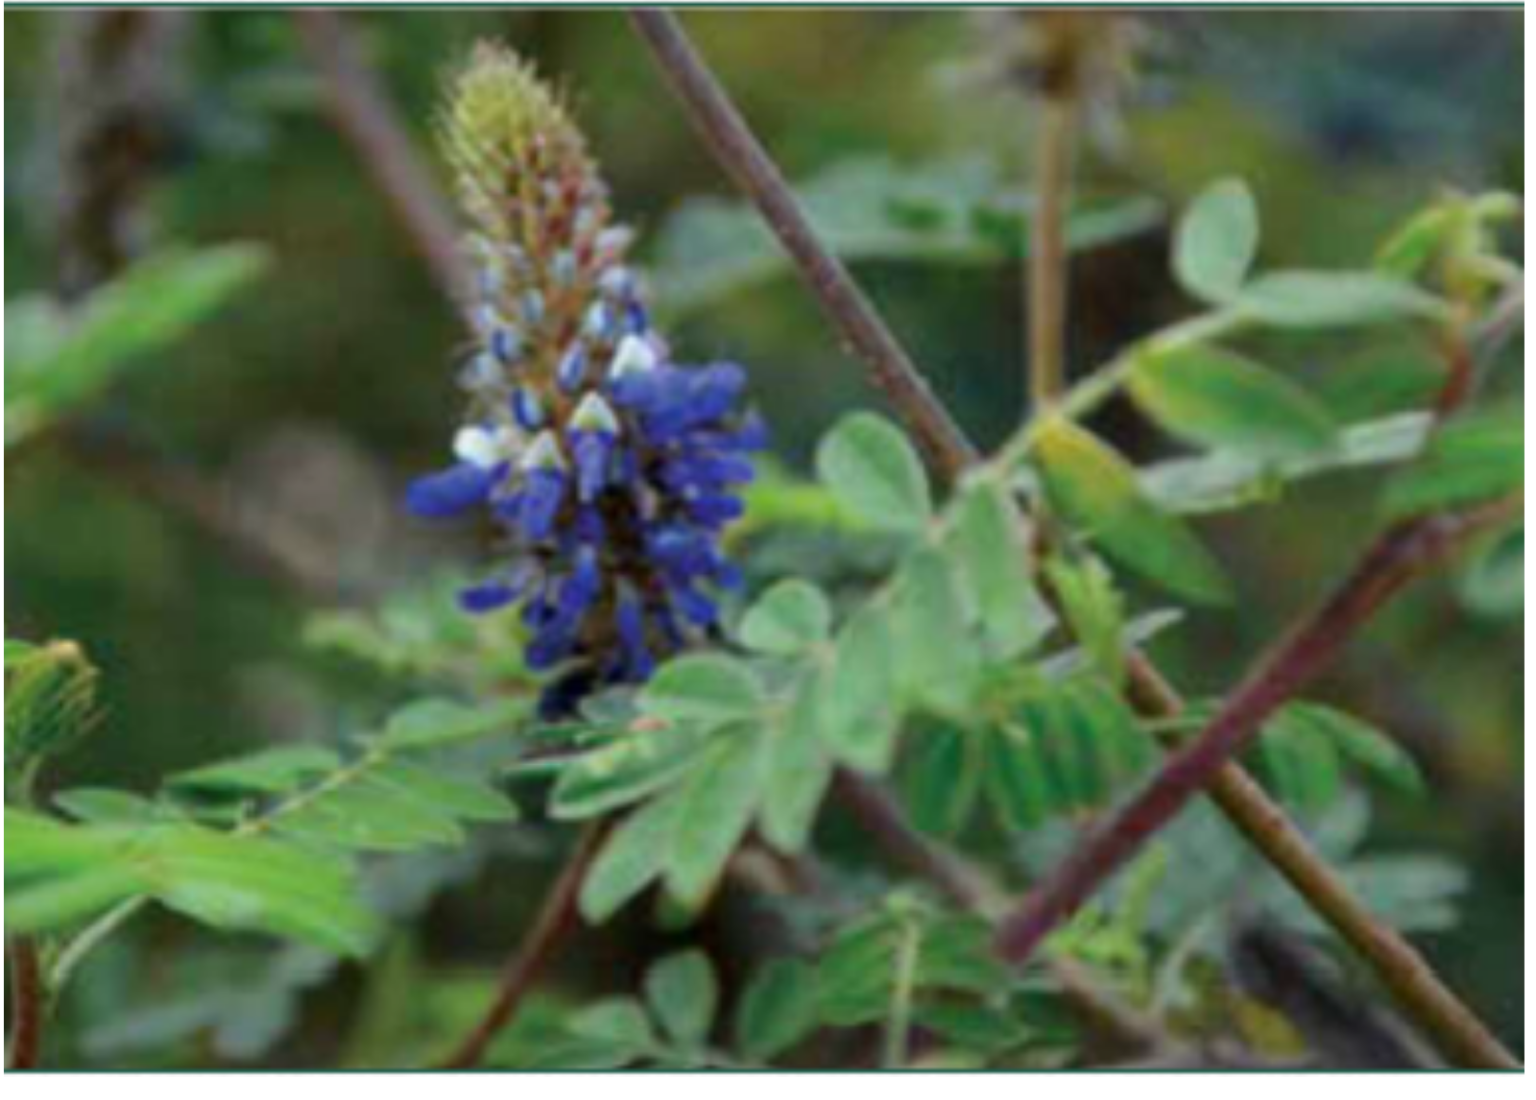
(720, 798)
(1377, 752)
(56, 360)
(1093, 488)
(633, 858)
(369, 816)
(1214, 398)
(632, 768)
(1477, 457)
(1094, 610)
(1223, 480)
(867, 209)
(707, 688)
(17, 652)
(620, 1020)
(777, 1010)
(1216, 241)
(271, 771)
(857, 702)
(1493, 583)
(854, 977)
(440, 723)
(100, 806)
(791, 617)
(462, 798)
(683, 993)
(1334, 299)
(59, 875)
(875, 474)
(939, 662)
(944, 779)
(992, 555)
(1014, 779)
(799, 770)
(1301, 761)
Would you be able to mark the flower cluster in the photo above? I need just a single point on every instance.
(611, 470)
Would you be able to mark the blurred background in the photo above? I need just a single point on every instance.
(298, 411)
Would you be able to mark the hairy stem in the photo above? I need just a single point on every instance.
(1396, 558)
(26, 1042)
(557, 920)
(1049, 271)
(742, 155)
(1254, 813)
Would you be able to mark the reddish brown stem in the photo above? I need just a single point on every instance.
(1400, 555)
(740, 153)
(26, 1043)
(558, 918)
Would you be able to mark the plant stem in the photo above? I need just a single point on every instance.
(898, 1030)
(1254, 813)
(1396, 558)
(1049, 270)
(742, 155)
(26, 1042)
(363, 115)
(557, 919)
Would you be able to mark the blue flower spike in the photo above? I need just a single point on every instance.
(611, 470)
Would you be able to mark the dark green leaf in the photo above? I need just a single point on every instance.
(777, 1010)
(1477, 457)
(683, 993)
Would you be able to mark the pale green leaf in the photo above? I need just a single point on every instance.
(708, 688)
(271, 771)
(632, 859)
(799, 770)
(991, 550)
(631, 768)
(720, 798)
(791, 617)
(1216, 241)
(875, 474)
(1334, 299)
(858, 712)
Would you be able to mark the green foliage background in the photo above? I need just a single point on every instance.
(327, 382)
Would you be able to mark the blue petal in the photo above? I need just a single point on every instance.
(480, 599)
(451, 492)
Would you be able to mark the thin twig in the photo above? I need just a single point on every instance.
(970, 888)
(363, 115)
(557, 919)
(26, 1042)
(1256, 815)
(742, 155)
(1049, 273)
(1400, 555)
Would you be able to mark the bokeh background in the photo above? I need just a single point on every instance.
(303, 407)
